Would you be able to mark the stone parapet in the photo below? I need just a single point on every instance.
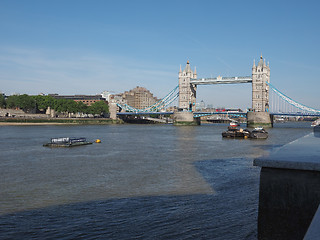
(289, 189)
(18, 113)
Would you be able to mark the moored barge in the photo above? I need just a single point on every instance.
(67, 142)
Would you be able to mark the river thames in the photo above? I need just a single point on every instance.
(140, 182)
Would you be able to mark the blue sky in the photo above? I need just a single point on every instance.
(86, 47)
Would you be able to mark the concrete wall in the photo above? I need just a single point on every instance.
(289, 189)
(19, 113)
(288, 200)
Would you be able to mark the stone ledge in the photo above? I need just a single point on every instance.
(301, 154)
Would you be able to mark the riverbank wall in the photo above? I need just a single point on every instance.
(51, 121)
(289, 194)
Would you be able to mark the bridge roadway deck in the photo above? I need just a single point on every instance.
(144, 113)
(198, 114)
(169, 113)
(298, 114)
(221, 80)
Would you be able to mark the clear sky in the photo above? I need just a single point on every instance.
(88, 46)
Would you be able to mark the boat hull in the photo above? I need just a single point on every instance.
(235, 133)
(259, 135)
(66, 144)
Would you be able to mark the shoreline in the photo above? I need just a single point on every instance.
(59, 121)
(34, 123)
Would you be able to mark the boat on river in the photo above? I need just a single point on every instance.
(234, 132)
(67, 142)
(259, 133)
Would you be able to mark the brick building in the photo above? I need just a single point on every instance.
(138, 97)
(86, 99)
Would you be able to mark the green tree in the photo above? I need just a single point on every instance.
(2, 101)
(99, 107)
(72, 106)
(24, 102)
(12, 101)
(43, 102)
(82, 108)
(61, 105)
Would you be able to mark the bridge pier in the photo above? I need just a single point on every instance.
(185, 119)
(259, 119)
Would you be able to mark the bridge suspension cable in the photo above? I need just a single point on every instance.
(280, 103)
(158, 106)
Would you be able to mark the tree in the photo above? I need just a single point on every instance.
(61, 105)
(43, 102)
(12, 101)
(99, 107)
(24, 102)
(82, 108)
(2, 101)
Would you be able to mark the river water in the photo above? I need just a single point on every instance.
(140, 182)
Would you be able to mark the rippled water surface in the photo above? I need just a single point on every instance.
(141, 182)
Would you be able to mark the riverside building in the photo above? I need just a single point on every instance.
(86, 99)
(139, 98)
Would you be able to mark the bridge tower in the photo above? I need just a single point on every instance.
(260, 89)
(187, 98)
(260, 96)
(187, 90)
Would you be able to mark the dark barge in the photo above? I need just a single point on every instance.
(66, 142)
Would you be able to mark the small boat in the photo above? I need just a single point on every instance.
(234, 132)
(234, 124)
(66, 142)
(259, 133)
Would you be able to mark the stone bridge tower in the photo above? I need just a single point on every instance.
(187, 98)
(260, 89)
(187, 90)
(260, 96)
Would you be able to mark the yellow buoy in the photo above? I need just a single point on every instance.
(98, 141)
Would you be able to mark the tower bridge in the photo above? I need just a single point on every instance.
(188, 83)
(266, 99)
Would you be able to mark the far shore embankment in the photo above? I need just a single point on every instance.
(19, 121)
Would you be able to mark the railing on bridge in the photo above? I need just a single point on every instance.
(227, 113)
